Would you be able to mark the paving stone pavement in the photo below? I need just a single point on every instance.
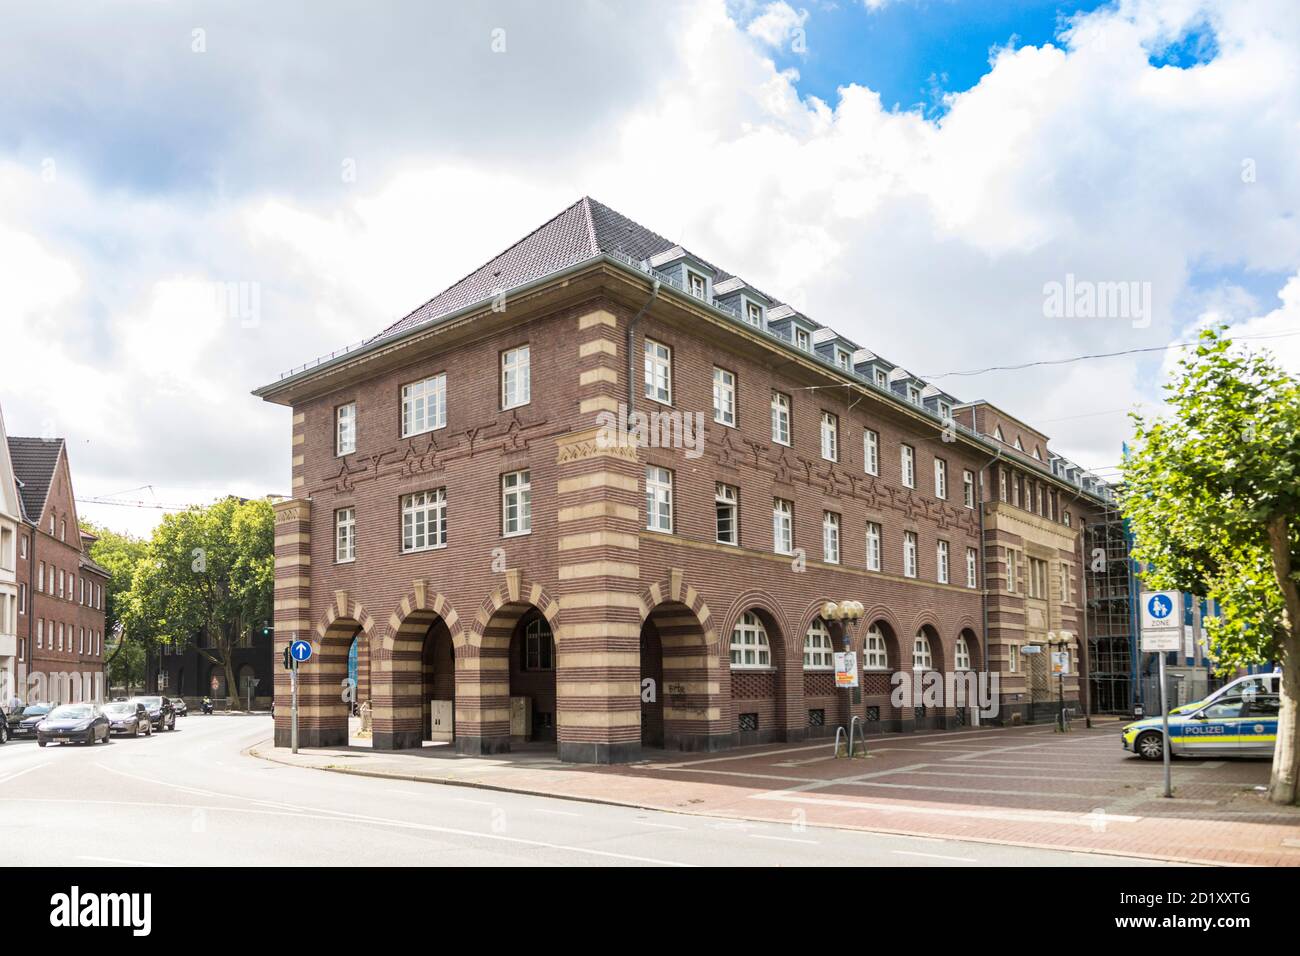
(1026, 786)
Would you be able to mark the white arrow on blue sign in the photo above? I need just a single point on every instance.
(300, 651)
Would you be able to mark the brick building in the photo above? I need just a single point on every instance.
(470, 508)
(61, 612)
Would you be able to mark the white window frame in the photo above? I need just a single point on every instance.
(724, 397)
(782, 526)
(802, 339)
(1064, 572)
(658, 499)
(922, 653)
(424, 405)
(907, 465)
(961, 655)
(658, 372)
(871, 452)
(830, 537)
(517, 499)
(818, 648)
(940, 479)
(909, 554)
(345, 429)
(972, 568)
(941, 554)
(875, 652)
(843, 359)
(749, 639)
(781, 419)
(754, 314)
(697, 285)
(882, 379)
(968, 488)
(1013, 658)
(830, 436)
(874, 544)
(914, 394)
(726, 498)
(516, 377)
(1013, 571)
(424, 521)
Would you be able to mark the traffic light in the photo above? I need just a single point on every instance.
(267, 629)
(288, 661)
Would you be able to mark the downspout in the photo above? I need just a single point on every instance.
(631, 333)
(983, 571)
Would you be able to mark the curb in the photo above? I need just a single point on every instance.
(605, 801)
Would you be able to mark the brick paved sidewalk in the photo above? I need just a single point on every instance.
(1025, 786)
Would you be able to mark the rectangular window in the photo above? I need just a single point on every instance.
(61, 580)
(345, 534)
(874, 654)
(1065, 583)
(780, 418)
(945, 411)
(696, 285)
(842, 359)
(424, 520)
(516, 503)
(658, 499)
(424, 405)
(1013, 573)
(830, 437)
(724, 397)
(831, 537)
(40, 579)
(940, 478)
(914, 394)
(1002, 485)
(345, 429)
(908, 455)
(873, 546)
(909, 554)
(754, 312)
(40, 634)
(658, 372)
(941, 560)
(726, 501)
(968, 488)
(22, 546)
(1037, 579)
(803, 339)
(882, 379)
(782, 526)
(22, 599)
(972, 558)
(1013, 659)
(516, 378)
(871, 452)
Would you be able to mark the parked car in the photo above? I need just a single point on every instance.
(72, 723)
(4, 726)
(1233, 726)
(162, 714)
(24, 724)
(125, 717)
(181, 707)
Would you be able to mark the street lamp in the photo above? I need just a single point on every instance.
(1060, 639)
(847, 612)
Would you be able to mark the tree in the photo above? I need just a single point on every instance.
(1212, 494)
(209, 572)
(119, 554)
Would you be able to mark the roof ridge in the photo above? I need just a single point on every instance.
(591, 225)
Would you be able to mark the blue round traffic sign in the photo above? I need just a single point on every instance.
(300, 651)
(1159, 607)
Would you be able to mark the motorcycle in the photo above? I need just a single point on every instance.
(206, 706)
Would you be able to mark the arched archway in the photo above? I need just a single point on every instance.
(927, 666)
(414, 672)
(680, 679)
(322, 683)
(759, 672)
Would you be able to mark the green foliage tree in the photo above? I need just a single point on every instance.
(119, 554)
(208, 575)
(1212, 493)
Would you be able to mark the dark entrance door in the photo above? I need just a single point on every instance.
(652, 680)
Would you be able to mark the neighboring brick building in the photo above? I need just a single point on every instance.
(61, 624)
(459, 510)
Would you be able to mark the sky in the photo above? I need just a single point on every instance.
(197, 197)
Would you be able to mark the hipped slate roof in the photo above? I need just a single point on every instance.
(584, 230)
(34, 462)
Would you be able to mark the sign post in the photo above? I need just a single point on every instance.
(299, 651)
(1161, 633)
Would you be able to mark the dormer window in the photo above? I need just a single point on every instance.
(945, 411)
(1037, 456)
(842, 359)
(803, 339)
(754, 314)
(914, 394)
(696, 285)
(882, 379)
(1019, 447)
(997, 434)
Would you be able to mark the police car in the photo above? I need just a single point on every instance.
(1226, 727)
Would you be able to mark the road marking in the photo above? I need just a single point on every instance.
(662, 826)
(117, 861)
(557, 813)
(1022, 816)
(19, 773)
(762, 836)
(481, 803)
(936, 856)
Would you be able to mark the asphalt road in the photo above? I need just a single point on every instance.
(191, 798)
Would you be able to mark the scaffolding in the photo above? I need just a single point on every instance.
(1112, 638)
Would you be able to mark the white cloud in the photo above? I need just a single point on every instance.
(927, 240)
